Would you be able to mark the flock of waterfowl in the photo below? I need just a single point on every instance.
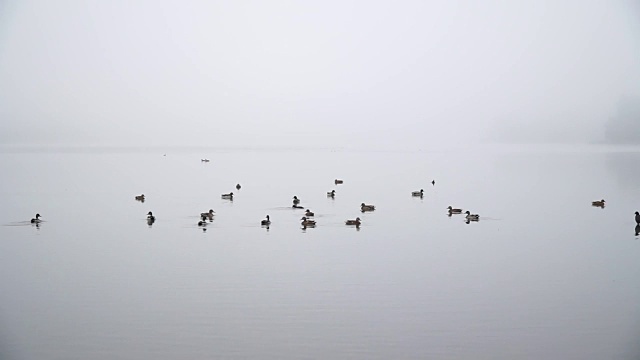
(306, 220)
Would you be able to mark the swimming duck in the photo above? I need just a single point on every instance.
(37, 220)
(266, 221)
(454, 211)
(355, 222)
(238, 186)
(228, 196)
(309, 213)
(598, 203)
(150, 217)
(418, 193)
(204, 160)
(296, 206)
(331, 193)
(140, 197)
(364, 207)
(472, 217)
(207, 215)
(296, 200)
(338, 181)
(637, 218)
(433, 182)
(307, 222)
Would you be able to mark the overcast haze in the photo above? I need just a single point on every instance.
(330, 73)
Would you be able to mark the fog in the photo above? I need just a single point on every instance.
(624, 126)
(331, 73)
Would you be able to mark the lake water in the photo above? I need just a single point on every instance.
(542, 275)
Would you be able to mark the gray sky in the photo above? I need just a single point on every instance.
(243, 73)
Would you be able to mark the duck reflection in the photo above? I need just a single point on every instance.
(637, 230)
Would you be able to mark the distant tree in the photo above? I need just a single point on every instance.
(624, 126)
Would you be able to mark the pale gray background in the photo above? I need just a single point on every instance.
(330, 73)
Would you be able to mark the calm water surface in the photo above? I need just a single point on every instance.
(542, 275)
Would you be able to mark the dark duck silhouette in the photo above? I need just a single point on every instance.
(37, 220)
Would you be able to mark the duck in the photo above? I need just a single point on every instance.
(36, 220)
(308, 213)
(338, 181)
(454, 211)
(598, 203)
(150, 217)
(140, 197)
(296, 200)
(307, 222)
(418, 193)
(472, 217)
(203, 222)
(364, 207)
(433, 182)
(228, 196)
(637, 218)
(207, 215)
(331, 193)
(296, 206)
(355, 222)
(204, 160)
(266, 221)
(238, 187)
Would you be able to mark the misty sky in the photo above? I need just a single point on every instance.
(243, 73)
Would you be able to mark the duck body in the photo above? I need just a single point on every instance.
(308, 213)
(364, 207)
(331, 193)
(338, 181)
(150, 217)
(418, 193)
(472, 217)
(266, 221)
(36, 220)
(207, 215)
(355, 222)
(238, 186)
(598, 203)
(296, 201)
(307, 222)
(227, 196)
(140, 197)
(454, 211)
